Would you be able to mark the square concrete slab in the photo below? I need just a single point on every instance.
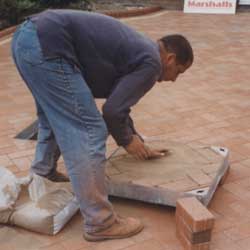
(185, 171)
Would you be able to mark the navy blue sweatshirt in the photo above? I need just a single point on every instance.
(117, 62)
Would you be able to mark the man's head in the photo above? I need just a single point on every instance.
(176, 56)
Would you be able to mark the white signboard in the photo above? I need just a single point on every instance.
(244, 2)
(210, 6)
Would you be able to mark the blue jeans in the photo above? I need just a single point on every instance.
(69, 122)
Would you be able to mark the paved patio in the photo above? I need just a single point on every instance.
(208, 104)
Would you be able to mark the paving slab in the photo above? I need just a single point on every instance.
(184, 171)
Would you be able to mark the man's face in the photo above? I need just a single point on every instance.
(171, 68)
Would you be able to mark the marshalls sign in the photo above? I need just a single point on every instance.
(210, 6)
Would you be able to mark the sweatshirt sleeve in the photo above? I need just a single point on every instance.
(132, 126)
(127, 93)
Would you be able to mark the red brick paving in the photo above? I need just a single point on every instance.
(210, 104)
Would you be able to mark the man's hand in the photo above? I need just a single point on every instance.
(140, 151)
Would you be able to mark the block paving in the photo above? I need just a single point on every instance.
(208, 104)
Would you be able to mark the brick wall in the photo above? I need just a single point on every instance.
(168, 4)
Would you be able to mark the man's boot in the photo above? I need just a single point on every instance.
(57, 177)
(121, 228)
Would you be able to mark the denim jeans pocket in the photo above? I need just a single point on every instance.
(29, 48)
(32, 57)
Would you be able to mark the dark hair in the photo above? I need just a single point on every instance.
(180, 46)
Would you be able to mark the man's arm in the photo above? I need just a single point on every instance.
(127, 93)
(131, 125)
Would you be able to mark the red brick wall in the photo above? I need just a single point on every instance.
(168, 4)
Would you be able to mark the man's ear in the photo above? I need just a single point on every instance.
(171, 58)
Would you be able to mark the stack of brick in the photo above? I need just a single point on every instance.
(194, 224)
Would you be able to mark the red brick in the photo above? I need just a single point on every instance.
(195, 215)
(23, 153)
(194, 224)
(193, 238)
(5, 161)
(189, 246)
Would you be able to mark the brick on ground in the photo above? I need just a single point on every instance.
(194, 224)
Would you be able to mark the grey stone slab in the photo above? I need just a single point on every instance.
(29, 133)
(185, 171)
